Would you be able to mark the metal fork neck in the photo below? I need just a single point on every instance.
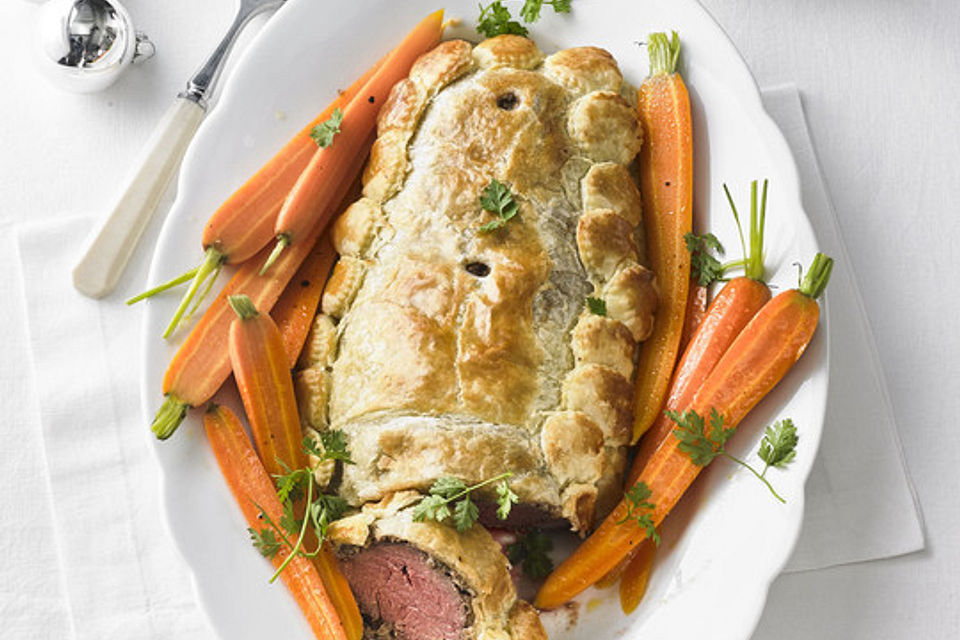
(202, 83)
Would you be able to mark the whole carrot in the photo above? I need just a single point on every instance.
(757, 360)
(259, 363)
(244, 223)
(315, 188)
(666, 185)
(254, 490)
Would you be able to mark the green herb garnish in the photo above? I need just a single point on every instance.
(597, 306)
(706, 443)
(640, 510)
(319, 510)
(704, 267)
(495, 19)
(530, 552)
(448, 490)
(324, 132)
(496, 198)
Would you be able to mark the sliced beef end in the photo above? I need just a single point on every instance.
(522, 516)
(404, 594)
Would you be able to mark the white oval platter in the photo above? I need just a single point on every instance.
(728, 539)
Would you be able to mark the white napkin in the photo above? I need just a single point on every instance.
(121, 575)
(860, 503)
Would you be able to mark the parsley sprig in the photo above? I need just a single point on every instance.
(704, 443)
(597, 306)
(704, 266)
(496, 198)
(318, 510)
(495, 19)
(640, 510)
(447, 491)
(530, 552)
(324, 132)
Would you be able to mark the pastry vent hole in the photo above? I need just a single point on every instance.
(508, 101)
(478, 269)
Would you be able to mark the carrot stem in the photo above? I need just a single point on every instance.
(243, 306)
(210, 266)
(817, 277)
(664, 53)
(160, 288)
(169, 416)
(282, 242)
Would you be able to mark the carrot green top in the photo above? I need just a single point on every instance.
(752, 259)
(243, 306)
(664, 53)
(817, 276)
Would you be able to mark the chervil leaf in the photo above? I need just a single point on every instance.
(465, 514)
(335, 446)
(496, 198)
(597, 306)
(704, 267)
(640, 510)
(704, 444)
(493, 225)
(289, 521)
(530, 552)
(265, 542)
(495, 20)
(448, 490)
(324, 132)
(431, 508)
(779, 445)
(290, 485)
(530, 12)
(694, 441)
(506, 498)
(312, 447)
(448, 487)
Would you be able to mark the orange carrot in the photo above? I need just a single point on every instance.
(695, 312)
(666, 185)
(202, 363)
(737, 303)
(266, 387)
(315, 188)
(253, 490)
(297, 305)
(244, 223)
(259, 359)
(759, 357)
(633, 585)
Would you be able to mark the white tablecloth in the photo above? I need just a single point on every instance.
(877, 86)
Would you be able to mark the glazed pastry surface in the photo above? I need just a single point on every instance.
(445, 350)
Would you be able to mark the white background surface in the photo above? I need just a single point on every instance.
(880, 80)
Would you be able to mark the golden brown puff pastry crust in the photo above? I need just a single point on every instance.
(467, 353)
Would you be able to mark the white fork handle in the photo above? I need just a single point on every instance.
(100, 268)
